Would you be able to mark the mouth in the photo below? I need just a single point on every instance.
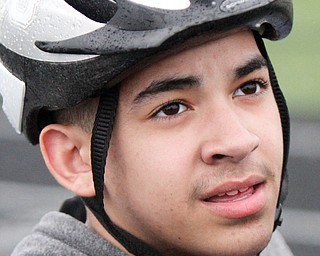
(234, 195)
(234, 200)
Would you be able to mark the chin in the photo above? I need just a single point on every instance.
(249, 241)
(248, 244)
(244, 245)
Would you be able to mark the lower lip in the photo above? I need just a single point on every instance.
(242, 208)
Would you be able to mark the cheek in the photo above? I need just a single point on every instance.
(156, 170)
(272, 139)
(154, 181)
(164, 163)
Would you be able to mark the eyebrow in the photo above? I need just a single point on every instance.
(190, 82)
(250, 66)
(166, 85)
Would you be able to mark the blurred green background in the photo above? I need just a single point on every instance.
(297, 61)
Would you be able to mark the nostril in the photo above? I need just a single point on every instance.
(218, 156)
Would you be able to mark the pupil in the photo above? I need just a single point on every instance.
(249, 89)
(172, 109)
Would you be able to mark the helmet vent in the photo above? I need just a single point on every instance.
(99, 10)
(164, 4)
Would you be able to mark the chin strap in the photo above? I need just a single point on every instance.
(285, 123)
(278, 218)
(100, 140)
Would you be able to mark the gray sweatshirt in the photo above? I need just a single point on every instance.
(60, 234)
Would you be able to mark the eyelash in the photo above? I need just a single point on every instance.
(263, 85)
(260, 82)
(167, 104)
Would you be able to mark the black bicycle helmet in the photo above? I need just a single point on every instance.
(55, 54)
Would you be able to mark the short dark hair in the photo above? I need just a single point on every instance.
(82, 115)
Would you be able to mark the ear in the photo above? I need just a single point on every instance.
(66, 151)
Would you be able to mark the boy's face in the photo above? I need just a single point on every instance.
(196, 154)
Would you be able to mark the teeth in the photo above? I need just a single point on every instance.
(232, 193)
(243, 189)
(241, 198)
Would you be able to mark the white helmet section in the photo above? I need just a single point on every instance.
(164, 4)
(12, 91)
(24, 22)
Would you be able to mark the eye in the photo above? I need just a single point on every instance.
(251, 88)
(171, 109)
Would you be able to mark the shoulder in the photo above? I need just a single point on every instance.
(60, 234)
(277, 246)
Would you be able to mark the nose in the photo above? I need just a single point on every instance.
(228, 138)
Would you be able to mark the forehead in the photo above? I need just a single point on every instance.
(223, 54)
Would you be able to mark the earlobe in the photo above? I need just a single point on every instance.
(66, 151)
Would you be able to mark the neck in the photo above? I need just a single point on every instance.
(95, 226)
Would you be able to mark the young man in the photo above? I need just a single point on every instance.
(169, 124)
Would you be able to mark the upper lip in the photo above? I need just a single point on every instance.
(233, 185)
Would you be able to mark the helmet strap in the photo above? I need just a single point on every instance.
(100, 141)
(285, 123)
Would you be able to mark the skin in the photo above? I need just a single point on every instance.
(160, 164)
(215, 122)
